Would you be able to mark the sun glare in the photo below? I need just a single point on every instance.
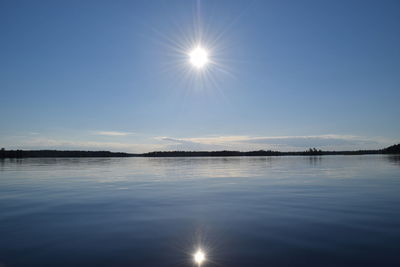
(199, 257)
(198, 57)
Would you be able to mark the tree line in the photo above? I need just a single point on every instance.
(395, 149)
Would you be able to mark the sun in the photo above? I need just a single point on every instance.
(199, 257)
(199, 57)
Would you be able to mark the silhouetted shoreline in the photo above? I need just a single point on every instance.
(395, 149)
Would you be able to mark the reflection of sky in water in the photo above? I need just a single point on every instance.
(252, 211)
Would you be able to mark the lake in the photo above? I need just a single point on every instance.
(241, 211)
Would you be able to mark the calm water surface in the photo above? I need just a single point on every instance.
(242, 211)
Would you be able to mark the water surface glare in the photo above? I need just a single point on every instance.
(241, 211)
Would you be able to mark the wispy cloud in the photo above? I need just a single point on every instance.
(328, 141)
(189, 145)
(112, 133)
(50, 143)
(314, 140)
(228, 142)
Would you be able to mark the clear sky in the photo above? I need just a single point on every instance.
(116, 75)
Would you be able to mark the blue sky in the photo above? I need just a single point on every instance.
(115, 75)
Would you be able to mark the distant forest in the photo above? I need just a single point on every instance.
(58, 154)
(395, 149)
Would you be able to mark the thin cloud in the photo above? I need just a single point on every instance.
(188, 145)
(328, 141)
(315, 140)
(240, 143)
(64, 144)
(112, 133)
